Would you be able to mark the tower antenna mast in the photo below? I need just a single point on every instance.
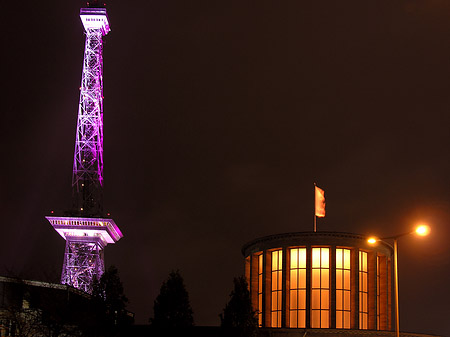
(86, 230)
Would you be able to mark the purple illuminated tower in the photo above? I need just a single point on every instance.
(85, 229)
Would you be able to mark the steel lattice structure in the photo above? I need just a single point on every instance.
(83, 261)
(87, 178)
(86, 231)
(86, 239)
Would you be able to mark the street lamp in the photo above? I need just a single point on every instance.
(421, 230)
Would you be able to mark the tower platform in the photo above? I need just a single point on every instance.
(88, 233)
(95, 18)
(69, 227)
(86, 239)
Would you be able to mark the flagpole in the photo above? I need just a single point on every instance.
(315, 217)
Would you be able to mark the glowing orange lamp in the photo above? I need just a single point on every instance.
(421, 230)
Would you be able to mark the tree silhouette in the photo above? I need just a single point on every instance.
(109, 305)
(238, 318)
(172, 310)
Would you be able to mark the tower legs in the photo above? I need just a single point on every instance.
(83, 262)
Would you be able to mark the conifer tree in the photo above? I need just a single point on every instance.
(109, 304)
(238, 318)
(172, 310)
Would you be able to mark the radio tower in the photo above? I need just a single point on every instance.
(85, 229)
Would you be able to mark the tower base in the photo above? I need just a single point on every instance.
(86, 239)
(83, 262)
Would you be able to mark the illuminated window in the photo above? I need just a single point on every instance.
(277, 266)
(378, 293)
(320, 288)
(297, 288)
(342, 288)
(260, 288)
(363, 291)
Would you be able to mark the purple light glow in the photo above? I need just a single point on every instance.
(87, 178)
(92, 227)
(87, 236)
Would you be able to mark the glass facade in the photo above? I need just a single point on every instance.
(297, 288)
(363, 291)
(320, 288)
(277, 287)
(343, 289)
(260, 289)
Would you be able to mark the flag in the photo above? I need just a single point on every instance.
(320, 202)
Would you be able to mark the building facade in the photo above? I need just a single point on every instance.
(324, 280)
(35, 308)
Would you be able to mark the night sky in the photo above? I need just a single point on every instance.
(218, 118)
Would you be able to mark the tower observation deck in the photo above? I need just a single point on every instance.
(85, 229)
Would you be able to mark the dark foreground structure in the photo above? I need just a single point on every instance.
(34, 308)
(267, 332)
(321, 284)
(212, 331)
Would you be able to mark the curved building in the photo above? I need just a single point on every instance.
(325, 280)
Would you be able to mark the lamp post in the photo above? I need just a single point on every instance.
(421, 230)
